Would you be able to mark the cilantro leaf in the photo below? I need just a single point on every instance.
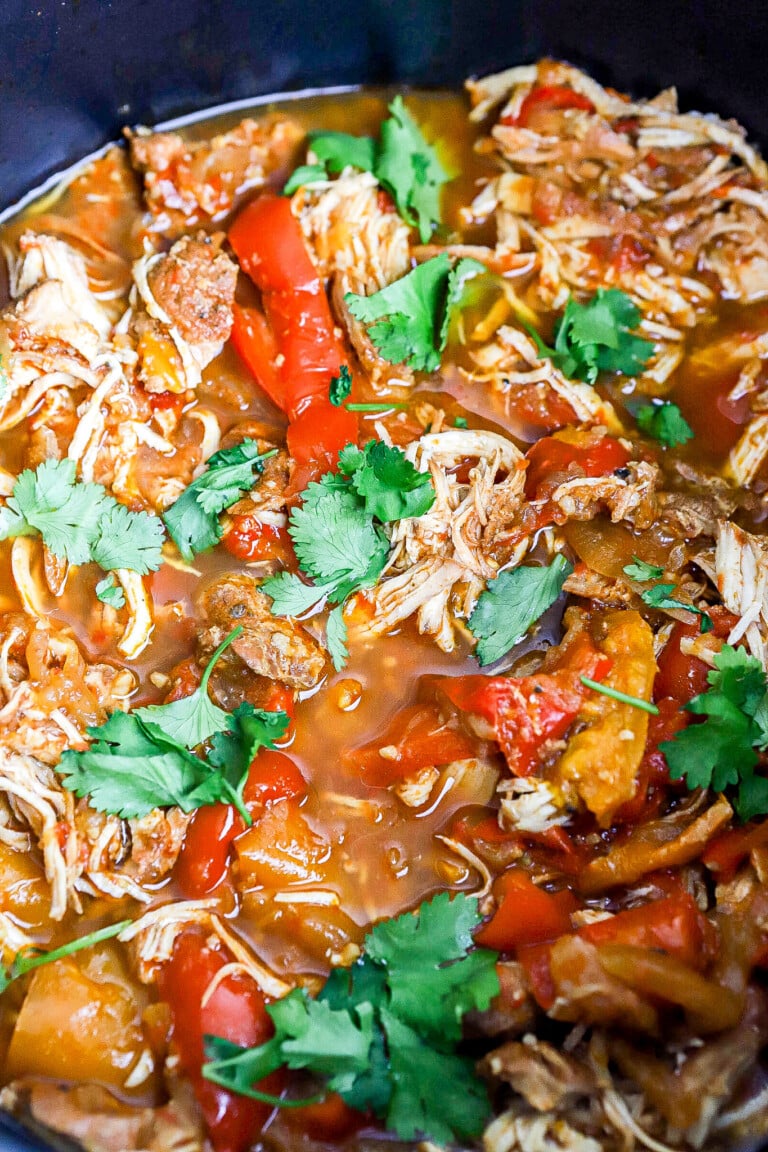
(410, 169)
(403, 162)
(463, 270)
(133, 767)
(659, 597)
(340, 386)
(641, 572)
(192, 520)
(664, 421)
(109, 592)
(50, 502)
(408, 320)
(193, 719)
(291, 596)
(143, 760)
(126, 539)
(420, 1104)
(390, 485)
(337, 533)
(336, 637)
(304, 174)
(339, 150)
(30, 958)
(333, 536)
(721, 752)
(383, 1032)
(441, 931)
(81, 522)
(596, 337)
(250, 729)
(512, 603)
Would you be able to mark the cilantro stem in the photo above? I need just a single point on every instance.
(606, 690)
(221, 648)
(27, 960)
(237, 801)
(210, 1074)
(374, 407)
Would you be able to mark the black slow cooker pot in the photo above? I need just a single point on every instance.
(73, 72)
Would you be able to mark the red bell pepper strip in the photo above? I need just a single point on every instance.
(255, 342)
(269, 245)
(293, 350)
(235, 1011)
(527, 710)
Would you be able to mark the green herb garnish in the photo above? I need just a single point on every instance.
(408, 320)
(512, 603)
(80, 523)
(193, 520)
(722, 752)
(110, 592)
(597, 337)
(622, 697)
(383, 1033)
(337, 533)
(30, 958)
(664, 421)
(403, 162)
(143, 759)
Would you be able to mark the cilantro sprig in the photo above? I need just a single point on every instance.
(722, 752)
(30, 958)
(403, 162)
(338, 534)
(512, 603)
(384, 1033)
(144, 759)
(660, 595)
(193, 520)
(664, 421)
(80, 522)
(408, 320)
(622, 697)
(108, 591)
(597, 337)
(340, 388)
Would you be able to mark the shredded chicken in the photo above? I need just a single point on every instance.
(186, 297)
(446, 555)
(741, 564)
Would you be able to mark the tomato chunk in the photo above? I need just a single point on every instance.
(680, 677)
(417, 738)
(673, 924)
(551, 460)
(235, 1011)
(273, 776)
(726, 853)
(526, 914)
(527, 710)
(250, 539)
